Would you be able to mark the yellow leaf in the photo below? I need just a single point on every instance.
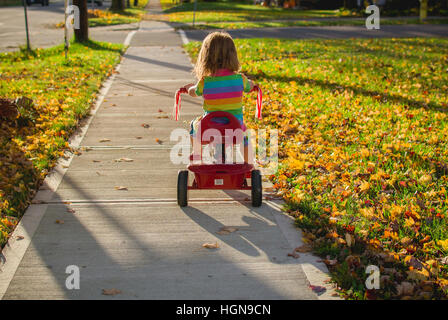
(365, 186)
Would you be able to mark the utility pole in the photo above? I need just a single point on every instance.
(65, 29)
(26, 26)
(194, 10)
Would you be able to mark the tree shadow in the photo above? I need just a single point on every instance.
(170, 65)
(253, 237)
(330, 86)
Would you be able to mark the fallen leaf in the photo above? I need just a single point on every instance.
(105, 140)
(70, 210)
(110, 292)
(405, 289)
(96, 161)
(59, 221)
(121, 188)
(330, 262)
(226, 230)
(294, 255)
(349, 239)
(145, 125)
(159, 141)
(20, 237)
(211, 245)
(303, 248)
(318, 289)
(124, 160)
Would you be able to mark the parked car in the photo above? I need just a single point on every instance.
(43, 2)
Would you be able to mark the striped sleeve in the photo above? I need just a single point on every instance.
(199, 88)
(246, 83)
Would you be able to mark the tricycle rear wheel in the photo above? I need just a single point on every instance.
(182, 188)
(257, 192)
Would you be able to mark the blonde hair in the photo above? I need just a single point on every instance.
(217, 52)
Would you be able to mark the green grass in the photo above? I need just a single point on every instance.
(363, 148)
(62, 92)
(306, 23)
(10, 3)
(108, 17)
(227, 11)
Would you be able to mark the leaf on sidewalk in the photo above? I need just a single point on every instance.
(303, 248)
(96, 160)
(121, 188)
(70, 210)
(211, 245)
(59, 221)
(318, 289)
(20, 237)
(294, 255)
(159, 141)
(124, 160)
(145, 125)
(111, 292)
(105, 140)
(226, 230)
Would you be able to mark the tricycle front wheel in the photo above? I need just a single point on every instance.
(182, 188)
(257, 192)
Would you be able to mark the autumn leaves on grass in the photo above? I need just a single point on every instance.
(58, 93)
(363, 153)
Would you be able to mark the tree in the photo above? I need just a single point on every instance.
(82, 34)
(423, 9)
(117, 5)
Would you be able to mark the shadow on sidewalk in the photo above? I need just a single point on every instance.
(132, 265)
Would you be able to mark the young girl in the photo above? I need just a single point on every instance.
(219, 83)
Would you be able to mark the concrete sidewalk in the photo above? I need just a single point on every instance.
(138, 240)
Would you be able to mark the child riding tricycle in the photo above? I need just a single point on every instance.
(221, 125)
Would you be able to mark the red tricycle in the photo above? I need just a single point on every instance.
(221, 176)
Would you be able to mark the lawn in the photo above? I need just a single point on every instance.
(8, 3)
(33, 137)
(363, 149)
(227, 11)
(307, 23)
(108, 17)
(99, 17)
(240, 15)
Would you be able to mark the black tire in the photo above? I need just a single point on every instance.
(182, 188)
(257, 190)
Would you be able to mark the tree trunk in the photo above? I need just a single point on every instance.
(82, 34)
(423, 9)
(117, 5)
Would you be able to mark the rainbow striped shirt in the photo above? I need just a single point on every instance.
(223, 92)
